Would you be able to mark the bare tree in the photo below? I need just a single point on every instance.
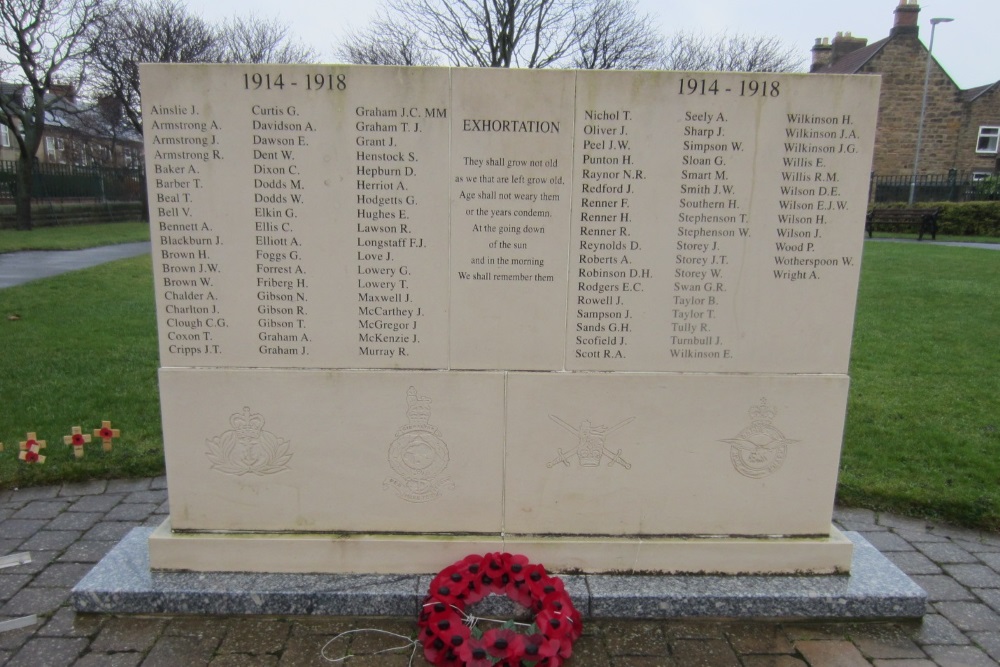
(252, 39)
(164, 31)
(100, 129)
(730, 52)
(491, 33)
(160, 31)
(386, 41)
(41, 39)
(611, 34)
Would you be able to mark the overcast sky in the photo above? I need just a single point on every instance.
(967, 48)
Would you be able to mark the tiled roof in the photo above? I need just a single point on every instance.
(972, 93)
(855, 60)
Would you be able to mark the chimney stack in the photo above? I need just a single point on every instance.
(66, 91)
(845, 43)
(906, 18)
(822, 53)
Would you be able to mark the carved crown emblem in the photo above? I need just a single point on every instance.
(762, 411)
(247, 424)
(418, 408)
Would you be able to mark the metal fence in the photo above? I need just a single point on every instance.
(954, 186)
(67, 181)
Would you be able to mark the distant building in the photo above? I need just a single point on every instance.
(961, 127)
(75, 135)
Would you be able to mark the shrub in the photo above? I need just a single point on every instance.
(988, 188)
(974, 218)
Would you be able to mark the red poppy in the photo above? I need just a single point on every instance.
(438, 652)
(540, 587)
(443, 623)
(537, 647)
(514, 585)
(429, 607)
(474, 654)
(443, 641)
(472, 563)
(31, 456)
(557, 626)
(491, 572)
(460, 582)
(448, 593)
(516, 565)
(502, 643)
(78, 440)
(558, 602)
(106, 433)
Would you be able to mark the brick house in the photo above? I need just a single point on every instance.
(75, 135)
(961, 127)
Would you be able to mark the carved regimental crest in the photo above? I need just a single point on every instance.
(418, 455)
(759, 449)
(248, 448)
(591, 446)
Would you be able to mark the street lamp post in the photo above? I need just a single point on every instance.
(923, 110)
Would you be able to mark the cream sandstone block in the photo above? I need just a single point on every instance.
(672, 454)
(297, 223)
(511, 203)
(422, 554)
(271, 450)
(716, 219)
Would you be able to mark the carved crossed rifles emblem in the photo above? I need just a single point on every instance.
(592, 448)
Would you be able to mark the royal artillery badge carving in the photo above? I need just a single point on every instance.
(759, 449)
(418, 455)
(248, 448)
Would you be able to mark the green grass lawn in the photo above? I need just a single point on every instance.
(913, 236)
(896, 234)
(923, 425)
(73, 237)
(82, 349)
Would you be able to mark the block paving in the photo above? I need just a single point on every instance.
(70, 527)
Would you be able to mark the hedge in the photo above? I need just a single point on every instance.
(46, 215)
(974, 218)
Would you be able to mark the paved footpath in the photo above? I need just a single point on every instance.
(17, 268)
(68, 528)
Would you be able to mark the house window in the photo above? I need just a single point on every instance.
(980, 175)
(81, 153)
(988, 137)
(50, 148)
(5, 136)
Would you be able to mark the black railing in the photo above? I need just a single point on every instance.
(954, 186)
(66, 181)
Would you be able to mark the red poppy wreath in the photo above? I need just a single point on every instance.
(449, 641)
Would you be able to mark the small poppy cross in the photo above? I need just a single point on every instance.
(106, 433)
(30, 448)
(77, 439)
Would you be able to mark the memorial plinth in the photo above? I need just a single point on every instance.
(599, 318)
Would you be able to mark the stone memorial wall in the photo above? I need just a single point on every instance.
(410, 313)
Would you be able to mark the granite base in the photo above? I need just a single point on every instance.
(122, 583)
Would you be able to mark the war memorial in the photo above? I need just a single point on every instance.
(602, 319)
